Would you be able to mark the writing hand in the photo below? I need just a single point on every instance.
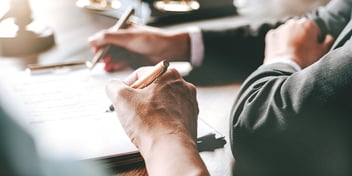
(141, 45)
(161, 120)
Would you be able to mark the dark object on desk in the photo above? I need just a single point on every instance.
(207, 142)
(23, 35)
(208, 9)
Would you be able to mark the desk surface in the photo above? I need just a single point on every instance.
(72, 27)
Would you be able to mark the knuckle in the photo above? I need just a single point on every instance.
(106, 35)
(191, 87)
(124, 93)
(175, 72)
(310, 24)
(172, 74)
(270, 34)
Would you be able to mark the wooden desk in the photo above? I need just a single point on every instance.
(72, 28)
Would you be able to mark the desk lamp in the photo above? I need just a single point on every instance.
(19, 34)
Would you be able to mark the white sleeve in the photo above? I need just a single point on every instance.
(197, 46)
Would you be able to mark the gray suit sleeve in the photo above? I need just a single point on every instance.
(333, 17)
(284, 119)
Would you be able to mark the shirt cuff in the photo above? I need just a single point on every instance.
(197, 46)
(290, 62)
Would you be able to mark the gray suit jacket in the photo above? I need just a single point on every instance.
(299, 123)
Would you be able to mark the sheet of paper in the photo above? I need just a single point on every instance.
(66, 113)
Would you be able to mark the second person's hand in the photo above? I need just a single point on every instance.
(141, 45)
(297, 40)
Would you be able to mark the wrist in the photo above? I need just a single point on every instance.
(180, 49)
(285, 60)
(164, 141)
(149, 143)
(176, 153)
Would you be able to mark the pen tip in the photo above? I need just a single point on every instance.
(111, 109)
(165, 63)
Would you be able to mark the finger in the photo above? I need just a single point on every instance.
(97, 39)
(113, 67)
(291, 20)
(116, 66)
(137, 74)
(94, 49)
(302, 20)
(172, 73)
(108, 67)
(269, 35)
(107, 59)
(328, 42)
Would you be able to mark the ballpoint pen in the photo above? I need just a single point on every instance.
(103, 50)
(147, 79)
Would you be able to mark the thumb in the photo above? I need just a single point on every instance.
(327, 43)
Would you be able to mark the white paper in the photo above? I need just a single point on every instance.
(66, 113)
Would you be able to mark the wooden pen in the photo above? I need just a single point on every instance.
(147, 79)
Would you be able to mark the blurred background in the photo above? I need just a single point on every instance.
(277, 8)
(58, 30)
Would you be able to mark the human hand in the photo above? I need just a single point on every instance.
(167, 107)
(297, 40)
(161, 120)
(141, 45)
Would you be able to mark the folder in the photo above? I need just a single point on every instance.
(67, 116)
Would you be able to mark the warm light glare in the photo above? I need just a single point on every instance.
(8, 28)
(177, 6)
(4, 7)
(38, 10)
(99, 4)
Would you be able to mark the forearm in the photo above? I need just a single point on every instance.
(174, 155)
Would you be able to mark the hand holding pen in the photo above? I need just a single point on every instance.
(102, 52)
(147, 79)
